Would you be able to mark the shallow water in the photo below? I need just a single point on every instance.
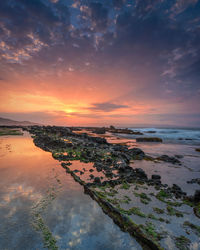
(170, 225)
(27, 173)
(170, 173)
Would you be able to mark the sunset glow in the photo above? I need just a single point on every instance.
(99, 63)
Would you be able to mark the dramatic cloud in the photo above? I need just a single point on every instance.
(89, 57)
(107, 106)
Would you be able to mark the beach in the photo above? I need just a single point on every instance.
(60, 187)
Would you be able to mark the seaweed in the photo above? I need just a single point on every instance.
(158, 210)
(37, 220)
(125, 185)
(172, 211)
(133, 210)
(9, 131)
(194, 227)
(150, 230)
(48, 238)
(163, 196)
(182, 242)
(143, 197)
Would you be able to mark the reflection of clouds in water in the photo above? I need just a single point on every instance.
(76, 221)
(16, 231)
(19, 191)
(79, 223)
(169, 243)
(74, 242)
(18, 197)
(194, 246)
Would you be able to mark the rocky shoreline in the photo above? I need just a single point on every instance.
(110, 180)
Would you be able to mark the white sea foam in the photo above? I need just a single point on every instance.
(172, 135)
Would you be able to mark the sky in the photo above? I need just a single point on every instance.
(100, 62)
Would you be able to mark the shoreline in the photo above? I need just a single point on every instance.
(67, 146)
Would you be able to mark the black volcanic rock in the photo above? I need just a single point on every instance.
(141, 173)
(136, 153)
(97, 180)
(169, 159)
(196, 197)
(123, 131)
(99, 131)
(155, 177)
(149, 139)
(196, 180)
(48, 143)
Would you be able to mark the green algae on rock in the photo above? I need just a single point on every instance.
(113, 183)
(37, 220)
(192, 226)
(10, 131)
(182, 243)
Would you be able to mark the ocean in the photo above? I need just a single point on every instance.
(189, 136)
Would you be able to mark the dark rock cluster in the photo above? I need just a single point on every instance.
(196, 180)
(169, 159)
(148, 139)
(113, 160)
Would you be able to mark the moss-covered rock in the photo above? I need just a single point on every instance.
(182, 243)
